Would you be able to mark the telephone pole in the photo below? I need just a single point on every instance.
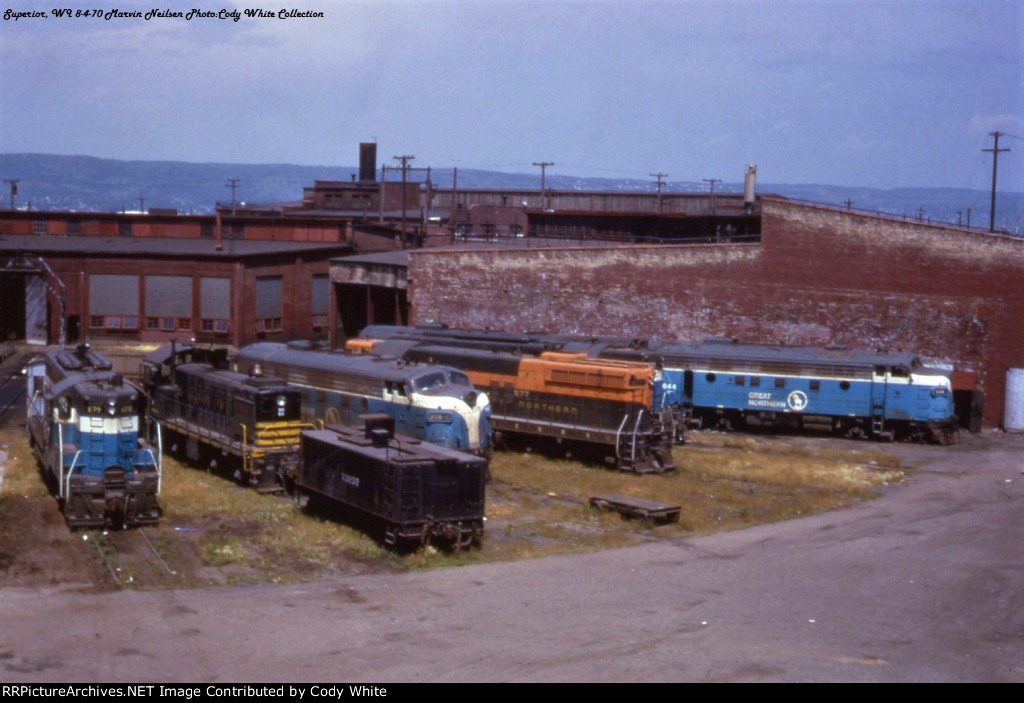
(995, 159)
(543, 165)
(712, 181)
(659, 176)
(405, 159)
(14, 188)
(232, 184)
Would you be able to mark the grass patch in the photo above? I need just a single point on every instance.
(215, 531)
(20, 472)
(723, 481)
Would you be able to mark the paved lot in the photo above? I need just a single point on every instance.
(923, 584)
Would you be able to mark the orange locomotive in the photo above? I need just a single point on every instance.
(558, 397)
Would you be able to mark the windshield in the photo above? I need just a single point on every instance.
(428, 381)
(458, 378)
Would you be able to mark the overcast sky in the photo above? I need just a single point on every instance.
(879, 93)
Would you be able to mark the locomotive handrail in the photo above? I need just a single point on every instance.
(159, 471)
(60, 456)
(618, 434)
(160, 455)
(636, 429)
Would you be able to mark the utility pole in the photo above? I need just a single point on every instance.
(995, 159)
(849, 204)
(142, 205)
(969, 217)
(543, 165)
(14, 188)
(405, 159)
(659, 176)
(232, 184)
(712, 181)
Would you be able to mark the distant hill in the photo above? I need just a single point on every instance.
(85, 183)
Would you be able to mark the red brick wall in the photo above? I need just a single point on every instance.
(820, 276)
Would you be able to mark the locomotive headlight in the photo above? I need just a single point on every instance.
(439, 417)
(111, 408)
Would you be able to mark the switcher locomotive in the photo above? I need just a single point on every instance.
(83, 423)
(213, 415)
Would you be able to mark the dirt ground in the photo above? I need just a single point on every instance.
(229, 547)
(257, 539)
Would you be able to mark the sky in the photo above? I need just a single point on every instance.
(874, 93)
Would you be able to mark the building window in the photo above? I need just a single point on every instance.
(74, 228)
(124, 228)
(217, 327)
(40, 226)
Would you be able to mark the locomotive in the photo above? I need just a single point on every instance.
(405, 492)
(83, 423)
(723, 383)
(210, 412)
(433, 403)
(856, 393)
(597, 404)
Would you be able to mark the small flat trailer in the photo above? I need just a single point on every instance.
(646, 510)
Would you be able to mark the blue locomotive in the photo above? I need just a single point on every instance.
(722, 383)
(846, 391)
(83, 422)
(437, 404)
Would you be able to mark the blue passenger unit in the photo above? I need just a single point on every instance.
(83, 423)
(437, 404)
(855, 392)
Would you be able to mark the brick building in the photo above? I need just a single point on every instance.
(818, 276)
(154, 290)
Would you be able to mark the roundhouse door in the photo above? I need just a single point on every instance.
(35, 310)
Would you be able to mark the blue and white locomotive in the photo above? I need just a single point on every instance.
(853, 392)
(436, 404)
(83, 425)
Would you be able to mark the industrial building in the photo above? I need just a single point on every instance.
(671, 265)
(814, 276)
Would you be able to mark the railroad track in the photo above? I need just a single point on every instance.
(131, 558)
(12, 387)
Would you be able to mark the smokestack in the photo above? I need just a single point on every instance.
(367, 162)
(748, 185)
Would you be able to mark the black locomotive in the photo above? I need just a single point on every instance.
(212, 414)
